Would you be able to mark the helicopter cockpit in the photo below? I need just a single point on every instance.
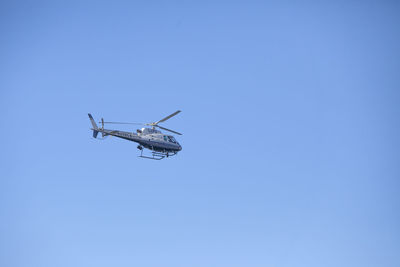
(169, 138)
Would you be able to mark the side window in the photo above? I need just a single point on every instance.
(165, 138)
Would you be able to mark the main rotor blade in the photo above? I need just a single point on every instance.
(168, 130)
(168, 117)
(116, 122)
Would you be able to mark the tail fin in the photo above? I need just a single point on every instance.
(95, 128)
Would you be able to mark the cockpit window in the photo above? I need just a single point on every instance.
(171, 139)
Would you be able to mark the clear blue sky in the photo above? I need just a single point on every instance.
(290, 115)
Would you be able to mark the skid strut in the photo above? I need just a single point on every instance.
(156, 155)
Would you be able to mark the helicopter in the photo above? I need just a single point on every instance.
(161, 145)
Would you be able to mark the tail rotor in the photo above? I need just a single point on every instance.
(102, 127)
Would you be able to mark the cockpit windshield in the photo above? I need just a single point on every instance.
(171, 139)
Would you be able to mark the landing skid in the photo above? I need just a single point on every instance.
(157, 155)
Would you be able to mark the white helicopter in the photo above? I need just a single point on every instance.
(160, 144)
